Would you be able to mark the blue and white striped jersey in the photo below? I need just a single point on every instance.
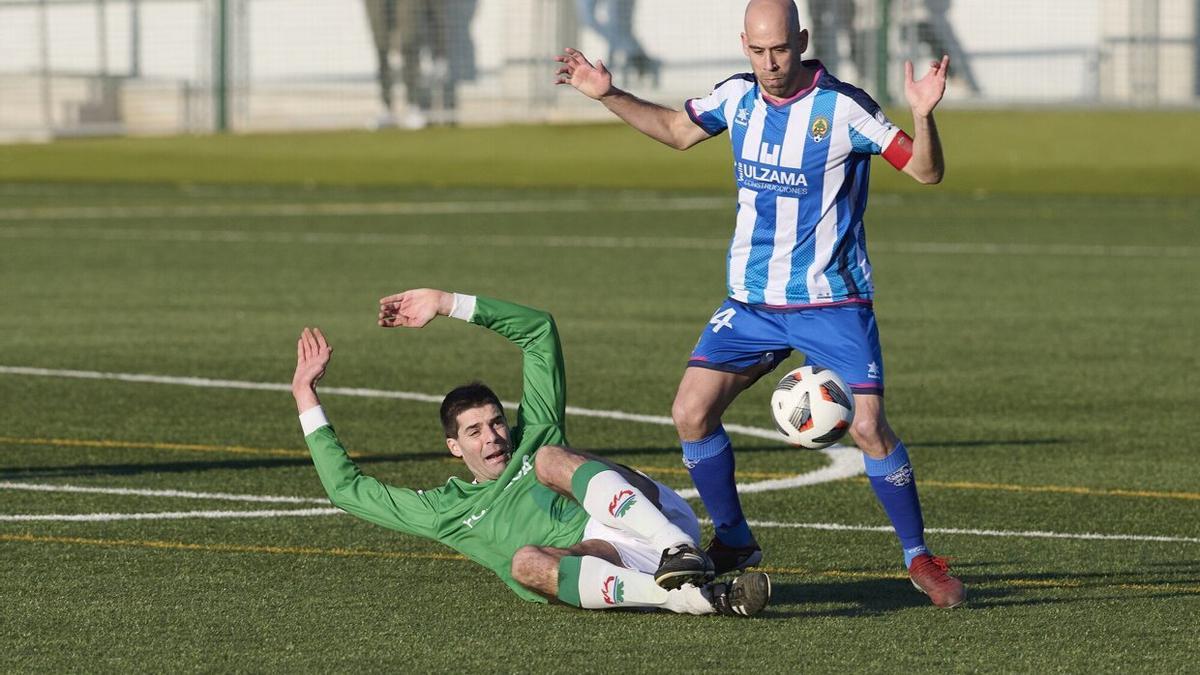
(801, 169)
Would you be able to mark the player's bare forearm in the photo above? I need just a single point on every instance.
(923, 95)
(669, 127)
(306, 398)
(927, 165)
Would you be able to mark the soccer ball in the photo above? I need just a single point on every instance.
(812, 406)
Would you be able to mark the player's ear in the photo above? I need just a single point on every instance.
(802, 41)
(745, 45)
(455, 448)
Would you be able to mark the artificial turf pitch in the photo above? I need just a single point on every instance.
(1039, 331)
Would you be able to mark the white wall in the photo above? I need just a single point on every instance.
(1022, 51)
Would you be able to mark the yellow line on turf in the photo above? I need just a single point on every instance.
(143, 445)
(1043, 583)
(1060, 489)
(1161, 587)
(227, 548)
(404, 555)
(146, 445)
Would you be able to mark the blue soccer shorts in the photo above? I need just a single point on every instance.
(740, 337)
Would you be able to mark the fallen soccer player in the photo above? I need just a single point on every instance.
(551, 522)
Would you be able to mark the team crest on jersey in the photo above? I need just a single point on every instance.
(819, 129)
(742, 117)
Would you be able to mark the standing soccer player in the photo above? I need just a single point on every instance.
(798, 272)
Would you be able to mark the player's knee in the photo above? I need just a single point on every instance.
(691, 420)
(550, 464)
(543, 461)
(525, 562)
(870, 436)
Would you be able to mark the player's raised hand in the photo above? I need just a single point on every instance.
(415, 308)
(593, 81)
(924, 94)
(312, 356)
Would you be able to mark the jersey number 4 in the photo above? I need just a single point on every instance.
(722, 319)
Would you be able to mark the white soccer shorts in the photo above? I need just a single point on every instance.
(637, 553)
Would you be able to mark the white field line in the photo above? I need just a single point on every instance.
(845, 462)
(564, 241)
(162, 515)
(356, 238)
(368, 208)
(766, 524)
(182, 494)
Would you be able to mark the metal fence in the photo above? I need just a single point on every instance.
(70, 67)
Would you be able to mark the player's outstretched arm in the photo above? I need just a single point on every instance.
(360, 495)
(927, 164)
(414, 308)
(667, 126)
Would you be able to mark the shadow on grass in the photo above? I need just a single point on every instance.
(840, 598)
(77, 470)
(870, 597)
(987, 442)
(742, 449)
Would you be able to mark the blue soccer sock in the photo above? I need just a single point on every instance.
(895, 485)
(710, 462)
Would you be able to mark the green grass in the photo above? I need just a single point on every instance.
(987, 151)
(1007, 372)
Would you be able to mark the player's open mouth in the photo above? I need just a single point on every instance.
(496, 456)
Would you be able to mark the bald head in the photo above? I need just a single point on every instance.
(770, 15)
(774, 42)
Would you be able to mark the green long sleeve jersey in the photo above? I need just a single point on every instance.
(487, 522)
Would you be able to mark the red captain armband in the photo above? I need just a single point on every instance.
(899, 151)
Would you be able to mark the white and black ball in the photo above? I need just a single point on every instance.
(812, 407)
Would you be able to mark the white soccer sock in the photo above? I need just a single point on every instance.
(603, 585)
(613, 501)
